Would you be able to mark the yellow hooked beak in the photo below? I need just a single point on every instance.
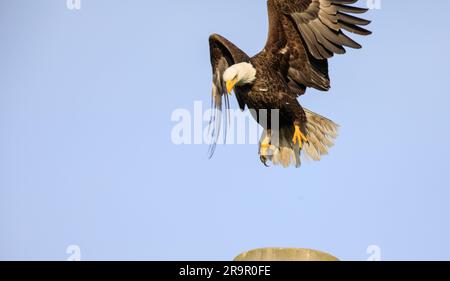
(230, 85)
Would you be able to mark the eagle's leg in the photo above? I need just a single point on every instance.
(299, 137)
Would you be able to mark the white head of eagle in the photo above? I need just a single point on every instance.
(238, 75)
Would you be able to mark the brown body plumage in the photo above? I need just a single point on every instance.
(303, 34)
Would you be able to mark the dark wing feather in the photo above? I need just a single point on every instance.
(223, 55)
(310, 32)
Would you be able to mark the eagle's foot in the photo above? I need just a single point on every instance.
(264, 148)
(265, 144)
(299, 137)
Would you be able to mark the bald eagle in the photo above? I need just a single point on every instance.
(303, 35)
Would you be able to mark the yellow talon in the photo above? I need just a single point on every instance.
(299, 137)
(264, 148)
(265, 144)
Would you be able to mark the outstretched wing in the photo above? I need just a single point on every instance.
(309, 32)
(223, 55)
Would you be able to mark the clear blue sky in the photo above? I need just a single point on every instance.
(86, 156)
